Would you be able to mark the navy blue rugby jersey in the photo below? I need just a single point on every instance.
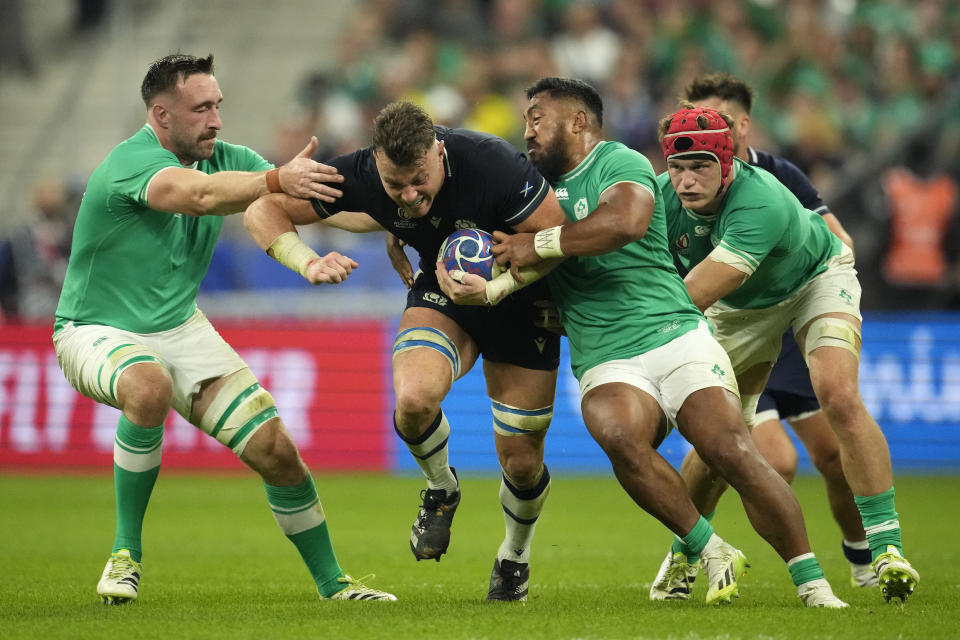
(488, 185)
(792, 178)
(790, 373)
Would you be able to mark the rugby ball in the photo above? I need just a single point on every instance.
(468, 250)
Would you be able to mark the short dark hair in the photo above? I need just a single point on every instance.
(404, 132)
(720, 85)
(570, 88)
(164, 74)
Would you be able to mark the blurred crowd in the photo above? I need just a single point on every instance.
(834, 78)
(859, 94)
(864, 96)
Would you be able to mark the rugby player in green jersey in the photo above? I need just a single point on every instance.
(759, 264)
(128, 332)
(641, 350)
(788, 396)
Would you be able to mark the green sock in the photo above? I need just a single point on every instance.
(804, 568)
(136, 465)
(880, 521)
(298, 512)
(693, 543)
(677, 546)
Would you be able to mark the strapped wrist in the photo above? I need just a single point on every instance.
(504, 284)
(547, 243)
(273, 181)
(290, 251)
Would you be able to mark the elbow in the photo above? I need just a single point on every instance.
(633, 232)
(202, 205)
(250, 217)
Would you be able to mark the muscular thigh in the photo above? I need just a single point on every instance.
(93, 356)
(621, 415)
(431, 351)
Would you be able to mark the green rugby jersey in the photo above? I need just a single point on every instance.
(632, 300)
(764, 224)
(132, 267)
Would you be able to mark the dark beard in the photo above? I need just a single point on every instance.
(551, 161)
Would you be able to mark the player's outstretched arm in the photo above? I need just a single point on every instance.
(195, 193)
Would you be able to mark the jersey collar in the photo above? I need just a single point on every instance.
(585, 163)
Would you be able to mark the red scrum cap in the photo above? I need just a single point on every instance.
(700, 131)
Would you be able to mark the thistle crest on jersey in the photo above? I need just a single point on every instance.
(469, 250)
(700, 131)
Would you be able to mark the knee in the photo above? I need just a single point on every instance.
(416, 404)
(273, 454)
(785, 465)
(145, 393)
(840, 401)
(730, 456)
(624, 448)
(826, 460)
(522, 468)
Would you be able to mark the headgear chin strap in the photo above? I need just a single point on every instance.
(700, 131)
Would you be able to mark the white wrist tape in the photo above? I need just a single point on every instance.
(503, 285)
(290, 251)
(547, 243)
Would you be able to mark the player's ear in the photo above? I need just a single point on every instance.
(579, 122)
(440, 149)
(160, 114)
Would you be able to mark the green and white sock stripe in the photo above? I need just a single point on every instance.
(297, 508)
(804, 568)
(136, 448)
(880, 521)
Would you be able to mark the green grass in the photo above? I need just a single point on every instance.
(216, 566)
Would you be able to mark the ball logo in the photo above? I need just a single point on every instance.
(469, 250)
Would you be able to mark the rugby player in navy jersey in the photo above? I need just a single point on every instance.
(788, 394)
(421, 182)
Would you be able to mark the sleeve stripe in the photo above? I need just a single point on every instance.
(737, 259)
(530, 206)
(639, 184)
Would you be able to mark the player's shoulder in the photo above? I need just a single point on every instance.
(140, 153)
(467, 146)
(781, 168)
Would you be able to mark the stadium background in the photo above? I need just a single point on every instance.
(858, 94)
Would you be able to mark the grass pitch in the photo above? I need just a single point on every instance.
(216, 566)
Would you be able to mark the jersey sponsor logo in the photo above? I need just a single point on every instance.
(435, 298)
(99, 341)
(562, 193)
(527, 188)
(465, 224)
(404, 224)
(846, 296)
(580, 209)
(683, 242)
(717, 371)
(670, 326)
(702, 229)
